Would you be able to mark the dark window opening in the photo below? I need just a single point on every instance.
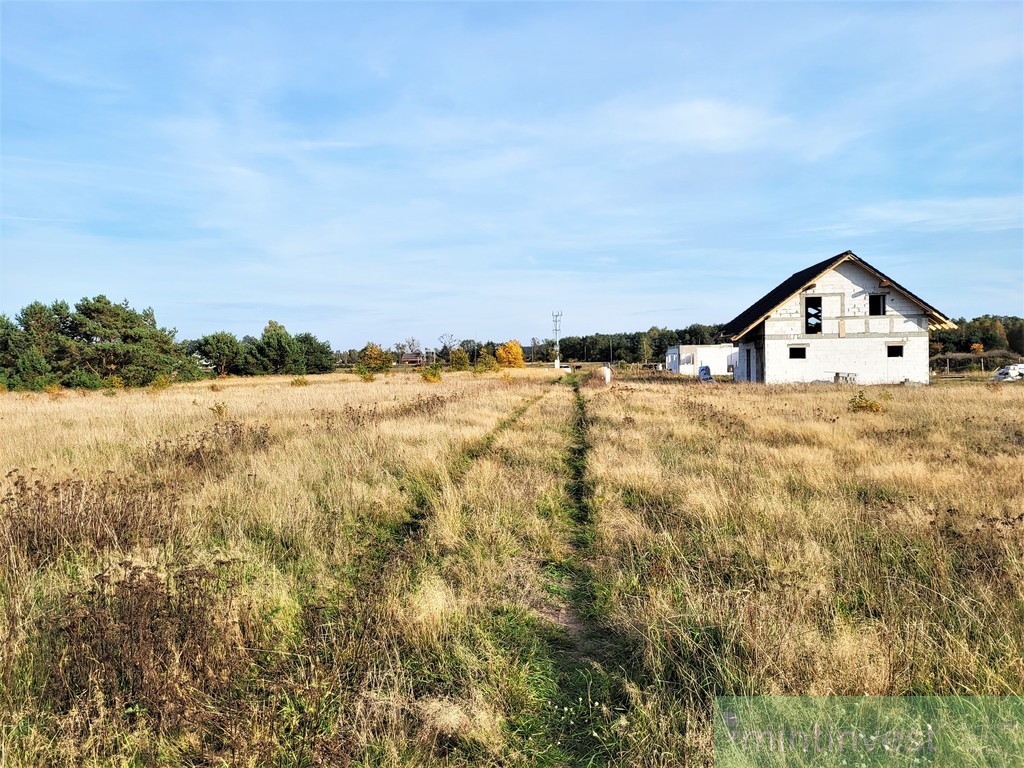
(876, 304)
(798, 353)
(812, 314)
(896, 350)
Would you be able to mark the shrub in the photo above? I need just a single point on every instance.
(459, 359)
(375, 359)
(364, 373)
(861, 402)
(432, 373)
(79, 379)
(300, 381)
(160, 383)
(486, 363)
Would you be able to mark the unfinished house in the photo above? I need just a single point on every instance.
(839, 320)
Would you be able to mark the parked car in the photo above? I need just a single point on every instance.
(1009, 373)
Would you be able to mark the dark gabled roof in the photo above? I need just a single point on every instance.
(740, 325)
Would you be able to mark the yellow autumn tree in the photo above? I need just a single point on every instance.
(510, 355)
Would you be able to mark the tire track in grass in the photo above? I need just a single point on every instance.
(594, 664)
(393, 546)
(348, 630)
(421, 505)
(608, 708)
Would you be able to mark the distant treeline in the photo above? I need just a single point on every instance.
(992, 332)
(635, 347)
(102, 344)
(630, 347)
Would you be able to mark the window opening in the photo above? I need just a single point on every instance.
(812, 314)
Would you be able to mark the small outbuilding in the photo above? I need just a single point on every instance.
(838, 320)
(688, 358)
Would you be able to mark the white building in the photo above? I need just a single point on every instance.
(838, 320)
(688, 358)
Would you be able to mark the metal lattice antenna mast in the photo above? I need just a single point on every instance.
(557, 318)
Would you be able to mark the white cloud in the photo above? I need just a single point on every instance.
(699, 125)
(972, 214)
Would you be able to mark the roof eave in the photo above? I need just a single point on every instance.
(936, 320)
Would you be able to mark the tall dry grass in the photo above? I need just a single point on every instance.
(489, 570)
(774, 540)
(288, 520)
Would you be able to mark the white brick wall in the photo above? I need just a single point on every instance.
(688, 358)
(865, 357)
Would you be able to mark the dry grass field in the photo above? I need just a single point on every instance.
(491, 570)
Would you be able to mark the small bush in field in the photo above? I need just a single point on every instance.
(216, 388)
(55, 391)
(300, 381)
(861, 402)
(220, 410)
(459, 359)
(432, 373)
(486, 363)
(364, 373)
(160, 383)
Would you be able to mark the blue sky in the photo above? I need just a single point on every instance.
(375, 171)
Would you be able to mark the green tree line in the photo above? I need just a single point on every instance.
(992, 332)
(98, 343)
(630, 346)
(275, 352)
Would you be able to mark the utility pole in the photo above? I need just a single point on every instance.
(556, 317)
